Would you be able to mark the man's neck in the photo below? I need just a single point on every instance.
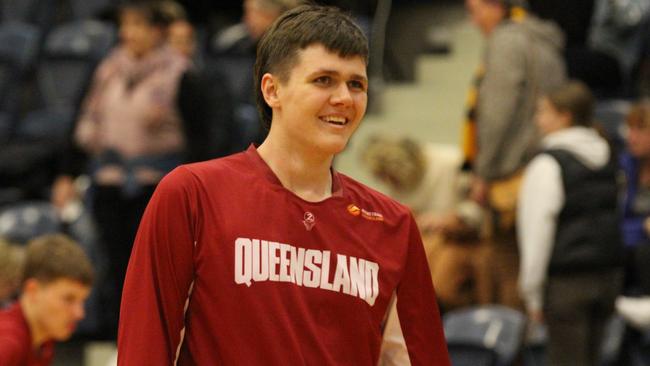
(38, 334)
(304, 173)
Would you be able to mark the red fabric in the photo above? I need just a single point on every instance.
(16, 341)
(205, 230)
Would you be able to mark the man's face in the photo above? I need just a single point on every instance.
(258, 18)
(548, 118)
(485, 14)
(638, 139)
(322, 102)
(181, 38)
(58, 306)
(137, 34)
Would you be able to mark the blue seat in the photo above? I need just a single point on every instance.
(18, 51)
(467, 355)
(24, 221)
(19, 43)
(17, 10)
(37, 12)
(84, 9)
(68, 60)
(237, 72)
(484, 335)
(535, 345)
(81, 38)
(611, 114)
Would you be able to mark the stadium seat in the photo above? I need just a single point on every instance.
(484, 335)
(19, 43)
(85, 9)
(18, 52)
(26, 220)
(237, 72)
(83, 38)
(611, 114)
(37, 12)
(68, 60)
(534, 352)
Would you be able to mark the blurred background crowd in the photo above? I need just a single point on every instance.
(99, 99)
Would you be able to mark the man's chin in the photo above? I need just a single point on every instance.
(64, 335)
(335, 145)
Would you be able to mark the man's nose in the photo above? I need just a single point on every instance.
(79, 311)
(342, 95)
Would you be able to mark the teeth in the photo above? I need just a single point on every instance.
(336, 119)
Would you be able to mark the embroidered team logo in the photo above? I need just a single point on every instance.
(354, 210)
(309, 220)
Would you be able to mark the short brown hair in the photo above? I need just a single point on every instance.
(11, 263)
(639, 115)
(172, 11)
(157, 13)
(280, 5)
(574, 97)
(296, 30)
(55, 256)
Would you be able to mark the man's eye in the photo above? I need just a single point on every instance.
(357, 85)
(325, 80)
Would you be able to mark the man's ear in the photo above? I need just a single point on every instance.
(269, 87)
(30, 286)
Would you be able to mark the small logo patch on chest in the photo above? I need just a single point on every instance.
(309, 220)
(355, 210)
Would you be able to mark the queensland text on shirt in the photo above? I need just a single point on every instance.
(262, 260)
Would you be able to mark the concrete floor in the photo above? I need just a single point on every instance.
(429, 109)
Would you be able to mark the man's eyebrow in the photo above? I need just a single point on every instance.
(336, 73)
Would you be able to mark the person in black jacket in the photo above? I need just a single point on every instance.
(568, 229)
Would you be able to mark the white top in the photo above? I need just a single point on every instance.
(541, 199)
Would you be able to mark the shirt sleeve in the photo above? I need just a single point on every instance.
(159, 276)
(11, 352)
(417, 307)
(540, 200)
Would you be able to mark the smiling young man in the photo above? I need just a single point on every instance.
(270, 257)
(56, 282)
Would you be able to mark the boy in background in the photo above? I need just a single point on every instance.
(56, 282)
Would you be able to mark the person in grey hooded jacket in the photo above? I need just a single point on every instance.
(522, 60)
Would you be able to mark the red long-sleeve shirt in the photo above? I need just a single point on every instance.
(16, 341)
(231, 268)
